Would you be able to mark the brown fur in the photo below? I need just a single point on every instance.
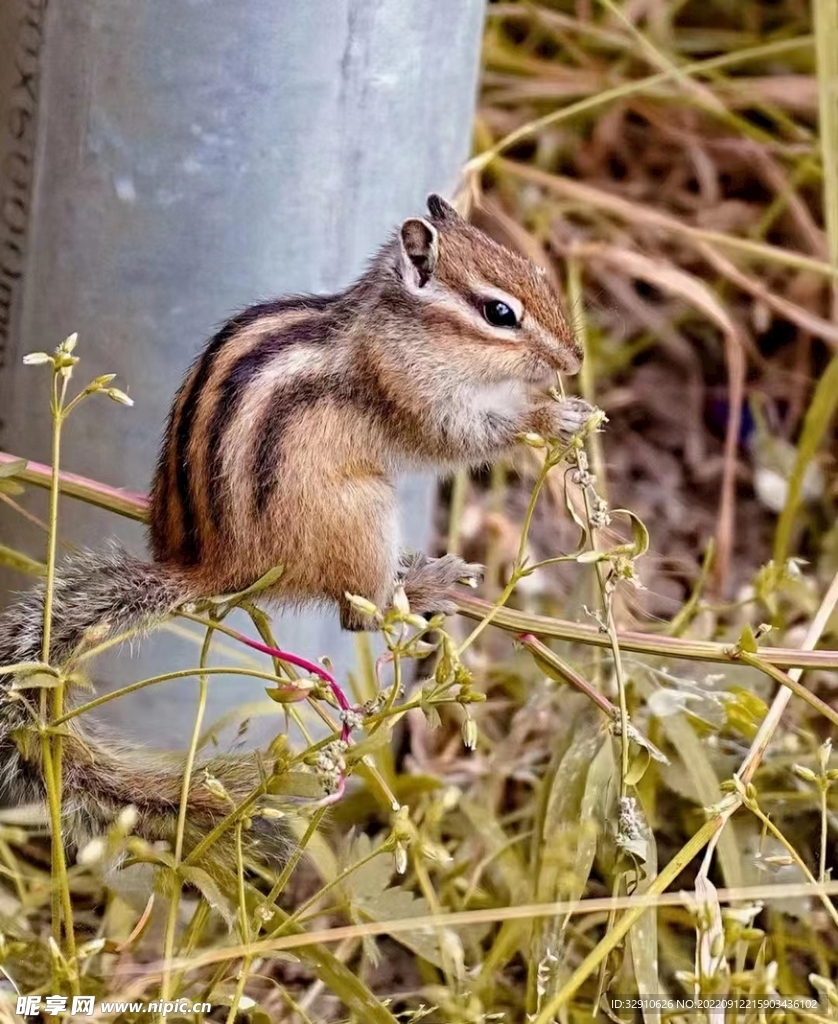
(387, 389)
(282, 448)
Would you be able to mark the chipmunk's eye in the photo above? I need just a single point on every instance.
(499, 314)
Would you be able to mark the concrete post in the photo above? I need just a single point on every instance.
(192, 158)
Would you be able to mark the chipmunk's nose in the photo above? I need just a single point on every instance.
(567, 357)
(570, 360)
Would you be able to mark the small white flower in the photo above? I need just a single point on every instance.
(92, 853)
(361, 604)
(128, 818)
(534, 440)
(37, 359)
(400, 602)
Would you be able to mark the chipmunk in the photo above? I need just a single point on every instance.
(280, 450)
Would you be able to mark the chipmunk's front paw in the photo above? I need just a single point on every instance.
(426, 581)
(570, 416)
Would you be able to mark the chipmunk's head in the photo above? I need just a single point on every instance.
(498, 308)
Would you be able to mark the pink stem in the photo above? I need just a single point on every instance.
(570, 676)
(307, 666)
(321, 673)
(127, 503)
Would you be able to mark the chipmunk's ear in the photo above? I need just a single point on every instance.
(440, 210)
(420, 250)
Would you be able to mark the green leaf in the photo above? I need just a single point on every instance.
(432, 716)
(372, 878)
(597, 801)
(700, 781)
(8, 469)
(38, 680)
(643, 937)
(367, 882)
(744, 711)
(228, 602)
(637, 847)
(341, 980)
(301, 784)
(571, 817)
(22, 563)
(370, 744)
(286, 693)
(639, 533)
(747, 640)
(510, 872)
(372, 898)
(636, 736)
(638, 766)
(547, 668)
(211, 892)
(394, 904)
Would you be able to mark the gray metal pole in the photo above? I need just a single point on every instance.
(193, 158)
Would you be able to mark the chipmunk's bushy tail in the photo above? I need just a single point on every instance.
(96, 597)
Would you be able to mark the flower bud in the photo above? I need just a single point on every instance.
(92, 853)
(400, 602)
(215, 787)
(803, 773)
(534, 440)
(91, 948)
(362, 605)
(128, 818)
(119, 396)
(271, 813)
